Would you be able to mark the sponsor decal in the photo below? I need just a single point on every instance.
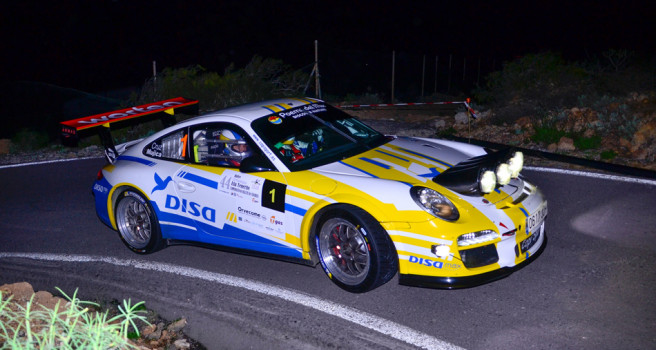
(452, 266)
(305, 110)
(128, 112)
(426, 262)
(231, 217)
(100, 188)
(274, 119)
(136, 196)
(275, 221)
(160, 184)
(251, 213)
(240, 187)
(155, 150)
(192, 208)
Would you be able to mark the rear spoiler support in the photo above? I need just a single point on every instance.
(102, 123)
(108, 143)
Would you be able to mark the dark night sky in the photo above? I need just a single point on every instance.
(96, 45)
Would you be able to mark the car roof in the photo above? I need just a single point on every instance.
(257, 110)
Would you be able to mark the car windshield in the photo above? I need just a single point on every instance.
(314, 135)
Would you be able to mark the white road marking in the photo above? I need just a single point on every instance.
(46, 162)
(593, 175)
(364, 319)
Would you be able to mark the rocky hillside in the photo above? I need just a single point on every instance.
(619, 131)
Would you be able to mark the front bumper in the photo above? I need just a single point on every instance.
(468, 281)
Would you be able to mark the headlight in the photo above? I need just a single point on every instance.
(477, 237)
(435, 203)
(487, 181)
(516, 163)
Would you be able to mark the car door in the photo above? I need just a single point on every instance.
(169, 155)
(230, 207)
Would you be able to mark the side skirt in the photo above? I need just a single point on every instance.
(242, 251)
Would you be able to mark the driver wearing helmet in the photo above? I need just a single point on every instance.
(236, 149)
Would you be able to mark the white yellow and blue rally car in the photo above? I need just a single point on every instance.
(299, 180)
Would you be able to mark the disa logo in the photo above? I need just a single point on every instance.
(192, 208)
(427, 262)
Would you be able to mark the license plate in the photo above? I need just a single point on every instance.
(528, 243)
(535, 220)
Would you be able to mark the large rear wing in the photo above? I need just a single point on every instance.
(72, 130)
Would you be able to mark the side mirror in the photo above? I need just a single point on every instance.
(255, 164)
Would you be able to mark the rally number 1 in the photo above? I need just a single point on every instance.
(273, 195)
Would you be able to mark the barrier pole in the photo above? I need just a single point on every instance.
(317, 81)
(435, 85)
(423, 75)
(393, 67)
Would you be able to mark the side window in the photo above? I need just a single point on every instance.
(220, 145)
(172, 146)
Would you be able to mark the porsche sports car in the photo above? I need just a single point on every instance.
(299, 180)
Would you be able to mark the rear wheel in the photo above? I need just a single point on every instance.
(354, 250)
(137, 223)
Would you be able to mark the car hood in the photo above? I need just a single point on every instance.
(404, 159)
(412, 161)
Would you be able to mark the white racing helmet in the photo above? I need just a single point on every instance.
(236, 147)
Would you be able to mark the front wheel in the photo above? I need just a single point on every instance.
(355, 251)
(137, 223)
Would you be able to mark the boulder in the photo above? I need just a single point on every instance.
(462, 118)
(524, 122)
(177, 325)
(22, 291)
(566, 144)
(645, 136)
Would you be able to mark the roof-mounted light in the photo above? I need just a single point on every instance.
(516, 163)
(487, 181)
(503, 174)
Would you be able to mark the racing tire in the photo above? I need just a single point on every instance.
(137, 224)
(354, 250)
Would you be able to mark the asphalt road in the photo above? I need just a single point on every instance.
(592, 288)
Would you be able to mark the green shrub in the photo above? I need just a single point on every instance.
(29, 140)
(586, 143)
(608, 155)
(546, 130)
(72, 327)
(547, 135)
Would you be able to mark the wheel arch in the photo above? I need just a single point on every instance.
(318, 212)
(113, 197)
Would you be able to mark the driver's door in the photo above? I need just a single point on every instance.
(230, 207)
